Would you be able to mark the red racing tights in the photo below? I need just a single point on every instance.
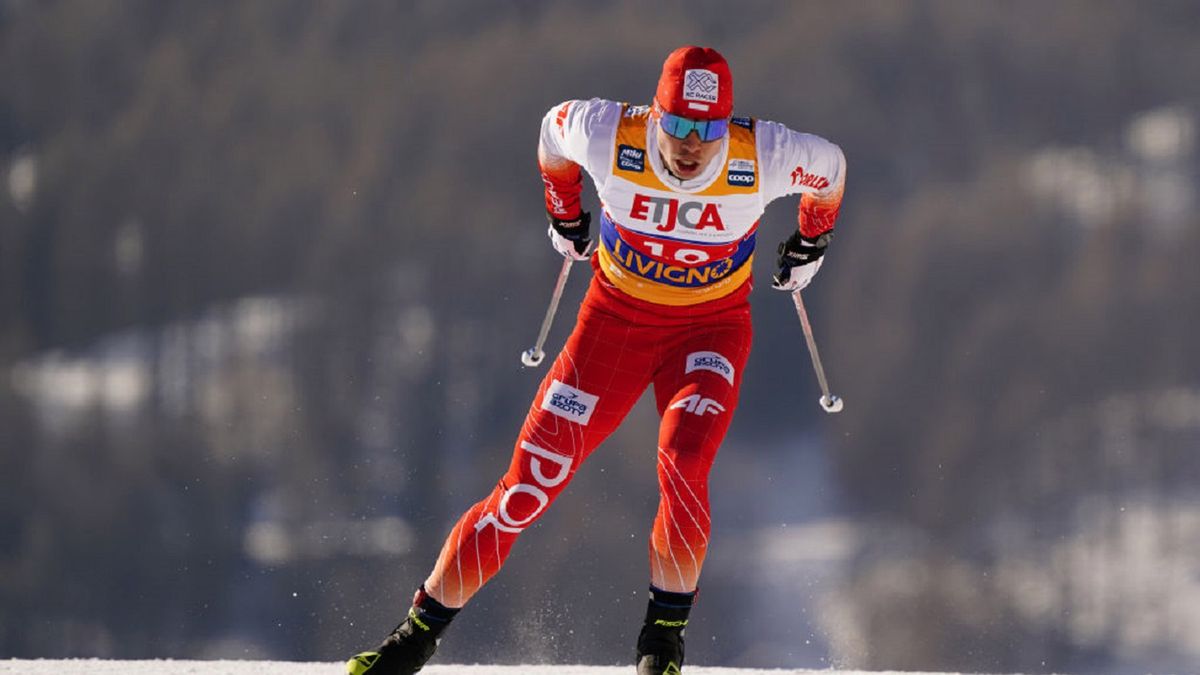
(693, 355)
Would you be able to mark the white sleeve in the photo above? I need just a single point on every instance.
(798, 163)
(582, 133)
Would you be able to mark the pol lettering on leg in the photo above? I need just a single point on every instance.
(506, 522)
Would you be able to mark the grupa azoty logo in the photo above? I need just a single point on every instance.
(710, 361)
(569, 403)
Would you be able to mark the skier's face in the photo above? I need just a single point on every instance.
(686, 158)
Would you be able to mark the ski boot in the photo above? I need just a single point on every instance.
(410, 645)
(660, 644)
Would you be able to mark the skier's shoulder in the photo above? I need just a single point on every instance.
(582, 130)
(794, 162)
(588, 116)
(778, 137)
(782, 148)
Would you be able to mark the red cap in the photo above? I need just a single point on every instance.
(696, 83)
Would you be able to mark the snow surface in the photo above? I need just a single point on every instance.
(96, 667)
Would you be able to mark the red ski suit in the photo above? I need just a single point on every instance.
(667, 306)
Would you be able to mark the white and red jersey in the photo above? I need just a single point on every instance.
(674, 242)
(666, 247)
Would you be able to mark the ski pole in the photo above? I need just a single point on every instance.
(830, 403)
(534, 355)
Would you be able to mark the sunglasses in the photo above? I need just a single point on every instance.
(682, 127)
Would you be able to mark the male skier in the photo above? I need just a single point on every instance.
(682, 183)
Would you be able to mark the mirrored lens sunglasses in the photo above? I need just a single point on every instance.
(681, 127)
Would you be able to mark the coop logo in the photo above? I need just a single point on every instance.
(512, 518)
(710, 361)
(698, 406)
(743, 122)
(667, 213)
(741, 172)
(630, 158)
(569, 403)
(811, 180)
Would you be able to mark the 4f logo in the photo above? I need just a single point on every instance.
(698, 406)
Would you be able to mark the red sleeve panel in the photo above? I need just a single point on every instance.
(818, 213)
(807, 165)
(561, 176)
(564, 185)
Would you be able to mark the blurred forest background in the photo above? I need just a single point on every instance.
(267, 266)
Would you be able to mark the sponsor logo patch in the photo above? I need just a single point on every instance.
(557, 206)
(667, 213)
(569, 403)
(741, 172)
(743, 122)
(630, 158)
(812, 180)
(710, 361)
(560, 118)
(690, 276)
(700, 85)
(698, 405)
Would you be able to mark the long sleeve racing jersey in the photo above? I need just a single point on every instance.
(682, 242)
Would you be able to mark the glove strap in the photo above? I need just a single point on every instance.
(801, 250)
(576, 229)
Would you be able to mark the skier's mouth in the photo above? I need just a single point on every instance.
(685, 167)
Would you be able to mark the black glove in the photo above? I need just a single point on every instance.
(572, 238)
(799, 260)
